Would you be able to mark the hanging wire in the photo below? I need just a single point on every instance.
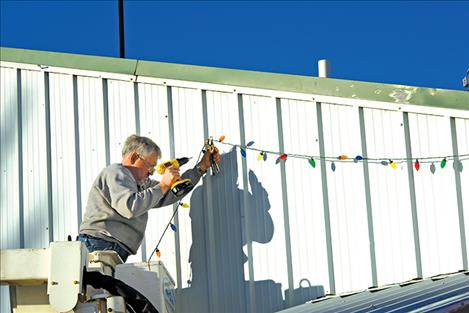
(162, 235)
(170, 220)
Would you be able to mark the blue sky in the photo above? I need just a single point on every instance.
(421, 43)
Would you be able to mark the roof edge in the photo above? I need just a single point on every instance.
(434, 97)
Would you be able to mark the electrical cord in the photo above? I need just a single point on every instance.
(172, 216)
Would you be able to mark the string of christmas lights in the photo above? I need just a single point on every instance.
(282, 157)
(385, 161)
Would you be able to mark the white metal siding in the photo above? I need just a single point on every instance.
(258, 228)
(63, 169)
(35, 193)
(10, 221)
(305, 201)
(187, 141)
(266, 203)
(121, 116)
(350, 240)
(462, 130)
(436, 196)
(10, 194)
(91, 133)
(390, 198)
(224, 212)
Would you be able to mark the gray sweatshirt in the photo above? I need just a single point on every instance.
(117, 209)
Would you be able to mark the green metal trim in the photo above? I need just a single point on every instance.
(433, 97)
(67, 60)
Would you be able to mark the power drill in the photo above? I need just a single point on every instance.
(182, 186)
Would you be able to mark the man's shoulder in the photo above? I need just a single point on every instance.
(113, 173)
(114, 169)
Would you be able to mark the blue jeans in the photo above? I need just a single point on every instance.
(98, 244)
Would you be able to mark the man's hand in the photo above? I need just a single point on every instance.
(209, 155)
(170, 176)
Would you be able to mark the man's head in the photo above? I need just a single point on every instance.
(140, 155)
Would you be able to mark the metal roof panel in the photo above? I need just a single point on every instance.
(427, 293)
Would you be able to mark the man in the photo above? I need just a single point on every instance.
(118, 203)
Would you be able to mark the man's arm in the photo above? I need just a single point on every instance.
(169, 198)
(129, 202)
(126, 199)
(193, 174)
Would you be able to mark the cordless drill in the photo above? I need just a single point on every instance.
(182, 186)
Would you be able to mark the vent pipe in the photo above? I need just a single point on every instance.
(324, 68)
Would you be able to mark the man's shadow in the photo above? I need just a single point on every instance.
(218, 281)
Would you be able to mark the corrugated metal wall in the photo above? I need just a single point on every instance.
(256, 231)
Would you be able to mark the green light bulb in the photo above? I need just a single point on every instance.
(443, 163)
(312, 162)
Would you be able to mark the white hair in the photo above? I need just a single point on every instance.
(141, 145)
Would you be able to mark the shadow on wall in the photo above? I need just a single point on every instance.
(218, 283)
